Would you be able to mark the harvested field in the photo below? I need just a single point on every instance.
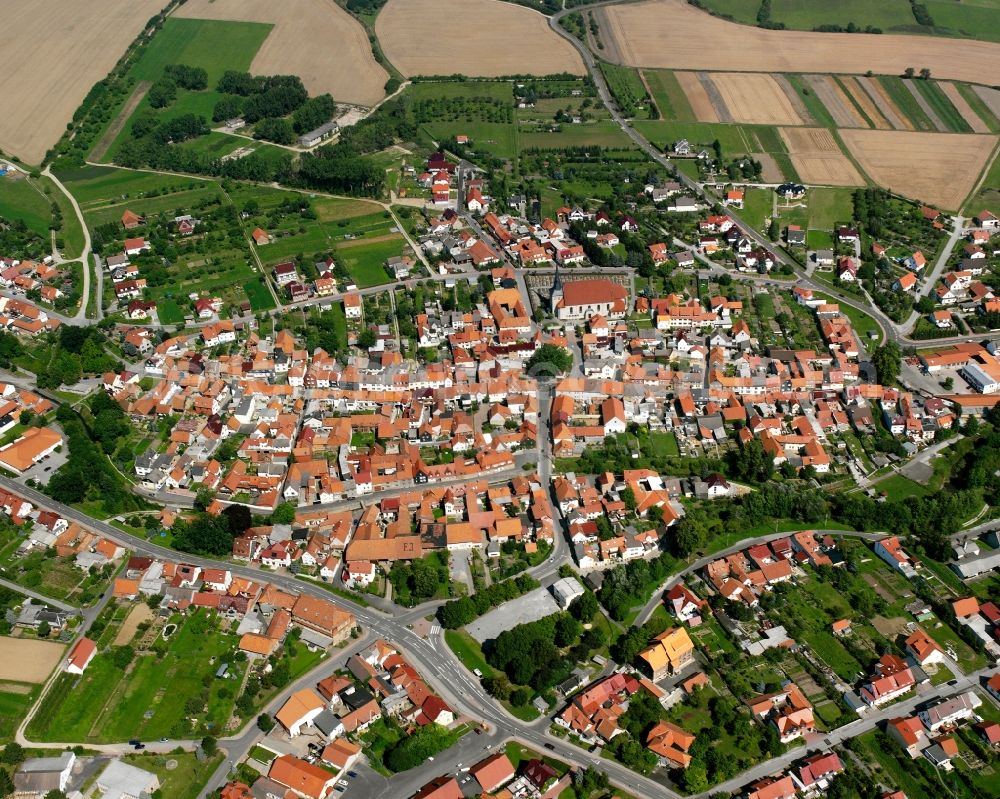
(757, 99)
(28, 659)
(836, 101)
(483, 38)
(694, 90)
(673, 34)
(800, 107)
(989, 96)
(890, 628)
(53, 54)
(136, 616)
(314, 39)
(859, 89)
(962, 106)
(770, 171)
(936, 168)
(817, 158)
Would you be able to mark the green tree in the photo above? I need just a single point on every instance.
(44, 629)
(284, 513)
(13, 754)
(887, 361)
(695, 778)
(209, 745)
(550, 360)
(265, 723)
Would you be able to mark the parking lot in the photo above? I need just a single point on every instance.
(530, 607)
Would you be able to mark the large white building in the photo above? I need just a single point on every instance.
(580, 299)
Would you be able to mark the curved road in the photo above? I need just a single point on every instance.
(81, 314)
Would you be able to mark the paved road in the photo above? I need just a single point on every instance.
(40, 597)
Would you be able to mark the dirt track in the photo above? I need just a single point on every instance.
(672, 34)
(53, 53)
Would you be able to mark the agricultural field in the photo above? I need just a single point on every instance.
(28, 660)
(16, 698)
(671, 34)
(758, 99)
(670, 97)
(818, 159)
(474, 37)
(302, 30)
(41, 92)
(805, 15)
(936, 168)
(987, 194)
(144, 689)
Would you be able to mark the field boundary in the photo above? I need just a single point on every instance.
(124, 114)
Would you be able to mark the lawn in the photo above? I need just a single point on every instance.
(468, 651)
(366, 261)
(185, 775)
(15, 701)
(153, 697)
(169, 312)
(599, 134)
(757, 206)
(668, 95)
(898, 487)
(498, 138)
(23, 200)
(830, 207)
(258, 294)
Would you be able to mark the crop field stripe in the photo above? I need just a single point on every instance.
(965, 110)
(905, 102)
(854, 102)
(943, 107)
(982, 110)
(668, 95)
(812, 102)
(850, 156)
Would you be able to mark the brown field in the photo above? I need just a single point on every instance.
(963, 107)
(701, 103)
(483, 38)
(54, 53)
(136, 616)
(936, 168)
(28, 659)
(818, 159)
(756, 99)
(314, 39)
(836, 101)
(859, 92)
(672, 34)
(770, 170)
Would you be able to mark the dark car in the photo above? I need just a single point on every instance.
(134, 742)
(138, 747)
(550, 746)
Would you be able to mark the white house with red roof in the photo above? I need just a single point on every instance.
(80, 655)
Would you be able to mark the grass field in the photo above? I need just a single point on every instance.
(626, 87)
(15, 700)
(169, 312)
(756, 206)
(366, 262)
(828, 207)
(186, 776)
(259, 296)
(21, 199)
(150, 698)
(978, 19)
(898, 487)
(668, 95)
(99, 185)
(988, 194)
(601, 133)
(194, 42)
(499, 138)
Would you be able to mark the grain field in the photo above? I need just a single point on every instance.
(672, 34)
(28, 659)
(53, 54)
(939, 169)
(314, 39)
(963, 107)
(482, 38)
(755, 99)
(817, 158)
(700, 102)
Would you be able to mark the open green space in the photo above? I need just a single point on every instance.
(194, 43)
(830, 207)
(668, 95)
(21, 199)
(366, 262)
(185, 775)
(897, 487)
(757, 205)
(978, 19)
(148, 694)
(626, 87)
(15, 701)
(258, 294)
(587, 134)
(987, 196)
(169, 312)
